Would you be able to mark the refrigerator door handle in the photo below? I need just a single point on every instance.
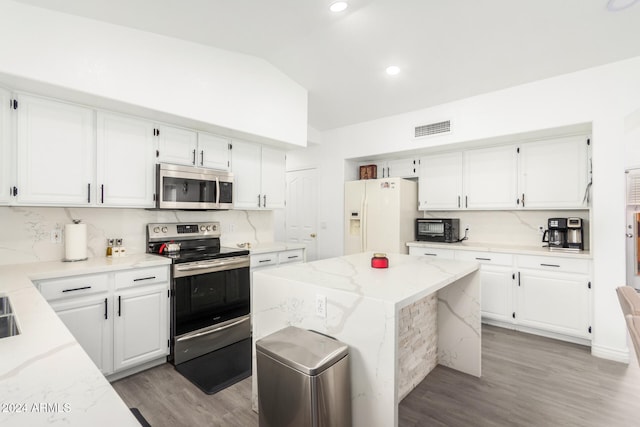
(363, 223)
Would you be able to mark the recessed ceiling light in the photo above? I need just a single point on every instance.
(338, 6)
(393, 70)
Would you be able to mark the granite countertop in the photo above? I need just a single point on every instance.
(408, 278)
(501, 248)
(45, 376)
(261, 248)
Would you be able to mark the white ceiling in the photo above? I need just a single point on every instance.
(447, 49)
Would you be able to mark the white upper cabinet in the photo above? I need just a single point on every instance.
(554, 173)
(259, 176)
(55, 153)
(6, 157)
(401, 168)
(177, 145)
(440, 181)
(190, 148)
(125, 161)
(213, 151)
(273, 178)
(491, 178)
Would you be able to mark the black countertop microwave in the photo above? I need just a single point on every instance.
(437, 229)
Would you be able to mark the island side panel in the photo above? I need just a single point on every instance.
(417, 343)
(459, 325)
(366, 325)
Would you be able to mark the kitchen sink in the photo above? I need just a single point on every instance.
(8, 325)
(5, 306)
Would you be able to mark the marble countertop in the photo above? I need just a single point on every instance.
(501, 248)
(408, 278)
(45, 376)
(262, 248)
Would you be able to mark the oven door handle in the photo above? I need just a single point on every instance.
(220, 265)
(214, 330)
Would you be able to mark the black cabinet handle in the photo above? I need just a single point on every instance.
(483, 259)
(194, 157)
(102, 193)
(144, 278)
(105, 309)
(258, 200)
(430, 254)
(293, 257)
(264, 201)
(119, 306)
(458, 201)
(202, 158)
(15, 191)
(264, 260)
(76, 289)
(89, 193)
(550, 265)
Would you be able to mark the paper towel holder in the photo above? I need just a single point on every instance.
(84, 237)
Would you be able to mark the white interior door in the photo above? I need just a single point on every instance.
(301, 210)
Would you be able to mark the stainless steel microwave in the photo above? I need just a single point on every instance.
(186, 187)
(438, 229)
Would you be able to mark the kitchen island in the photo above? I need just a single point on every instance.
(398, 322)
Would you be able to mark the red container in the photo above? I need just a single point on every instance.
(380, 261)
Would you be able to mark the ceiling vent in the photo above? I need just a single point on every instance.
(432, 129)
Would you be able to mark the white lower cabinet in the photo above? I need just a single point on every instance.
(434, 252)
(547, 295)
(120, 319)
(496, 283)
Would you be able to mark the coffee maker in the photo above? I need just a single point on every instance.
(575, 236)
(556, 234)
(564, 234)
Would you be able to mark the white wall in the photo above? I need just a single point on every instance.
(603, 96)
(222, 88)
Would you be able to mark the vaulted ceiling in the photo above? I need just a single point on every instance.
(446, 49)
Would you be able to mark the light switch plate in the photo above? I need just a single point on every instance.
(321, 306)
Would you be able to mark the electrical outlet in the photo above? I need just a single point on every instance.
(56, 236)
(321, 306)
(541, 229)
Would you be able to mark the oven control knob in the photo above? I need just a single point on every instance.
(215, 227)
(156, 229)
(208, 228)
(202, 228)
(165, 229)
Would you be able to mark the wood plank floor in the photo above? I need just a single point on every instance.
(526, 381)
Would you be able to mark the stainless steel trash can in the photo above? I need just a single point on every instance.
(303, 380)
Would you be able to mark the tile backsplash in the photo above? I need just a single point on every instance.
(510, 227)
(26, 231)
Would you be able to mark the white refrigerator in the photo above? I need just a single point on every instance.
(380, 215)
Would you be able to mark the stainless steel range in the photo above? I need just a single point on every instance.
(210, 303)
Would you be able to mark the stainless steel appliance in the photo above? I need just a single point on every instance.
(438, 229)
(564, 234)
(186, 187)
(575, 234)
(210, 303)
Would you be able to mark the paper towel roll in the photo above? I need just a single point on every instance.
(75, 242)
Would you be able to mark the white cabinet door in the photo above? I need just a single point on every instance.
(403, 168)
(273, 178)
(177, 145)
(125, 161)
(55, 153)
(440, 182)
(246, 167)
(89, 321)
(213, 151)
(555, 302)
(554, 173)
(6, 156)
(496, 284)
(490, 178)
(140, 325)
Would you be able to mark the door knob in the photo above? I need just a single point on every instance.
(313, 235)
(629, 235)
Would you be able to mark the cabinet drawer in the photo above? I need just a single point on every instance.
(434, 252)
(552, 263)
(490, 258)
(262, 260)
(141, 277)
(296, 255)
(70, 287)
